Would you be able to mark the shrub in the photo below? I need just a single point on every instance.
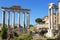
(4, 32)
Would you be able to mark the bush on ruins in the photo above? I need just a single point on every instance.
(24, 36)
(4, 32)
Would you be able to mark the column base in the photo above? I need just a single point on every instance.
(49, 34)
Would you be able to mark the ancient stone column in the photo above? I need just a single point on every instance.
(28, 19)
(51, 18)
(8, 19)
(8, 26)
(3, 17)
(56, 19)
(24, 19)
(49, 34)
(18, 19)
(13, 19)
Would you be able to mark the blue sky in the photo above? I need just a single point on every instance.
(39, 8)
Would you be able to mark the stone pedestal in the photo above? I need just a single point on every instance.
(49, 34)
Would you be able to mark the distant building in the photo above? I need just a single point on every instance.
(46, 24)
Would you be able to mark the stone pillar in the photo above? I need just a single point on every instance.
(49, 34)
(18, 19)
(28, 19)
(24, 19)
(8, 26)
(13, 19)
(8, 19)
(3, 17)
(56, 19)
(51, 18)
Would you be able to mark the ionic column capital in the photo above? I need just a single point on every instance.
(3, 9)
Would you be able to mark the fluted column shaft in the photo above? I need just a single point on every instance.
(3, 17)
(18, 19)
(8, 31)
(24, 19)
(8, 19)
(56, 19)
(28, 19)
(13, 19)
(51, 18)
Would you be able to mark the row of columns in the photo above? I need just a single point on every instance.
(13, 18)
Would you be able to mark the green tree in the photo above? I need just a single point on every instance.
(38, 20)
(30, 25)
(4, 32)
(43, 21)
